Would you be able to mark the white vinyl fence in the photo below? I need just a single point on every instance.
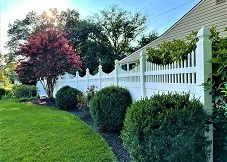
(147, 78)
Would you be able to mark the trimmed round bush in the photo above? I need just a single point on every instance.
(167, 127)
(23, 91)
(66, 97)
(2, 92)
(108, 107)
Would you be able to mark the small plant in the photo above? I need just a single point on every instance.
(83, 104)
(66, 97)
(108, 107)
(90, 92)
(167, 127)
(85, 98)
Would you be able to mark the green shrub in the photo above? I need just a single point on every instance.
(166, 128)
(66, 97)
(220, 124)
(2, 92)
(108, 107)
(25, 91)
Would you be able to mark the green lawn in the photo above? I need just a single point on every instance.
(34, 133)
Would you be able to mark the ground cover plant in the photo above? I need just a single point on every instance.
(38, 133)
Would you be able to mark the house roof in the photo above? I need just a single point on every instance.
(136, 55)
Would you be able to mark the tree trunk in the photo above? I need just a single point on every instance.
(50, 86)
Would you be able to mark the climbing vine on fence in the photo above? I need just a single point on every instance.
(171, 51)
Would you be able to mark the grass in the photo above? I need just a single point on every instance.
(35, 133)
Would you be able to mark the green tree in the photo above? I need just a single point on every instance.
(92, 46)
(33, 23)
(145, 39)
(121, 27)
(85, 36)
(46, 56)
(4, 80)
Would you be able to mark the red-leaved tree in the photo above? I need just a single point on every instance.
(46, 56)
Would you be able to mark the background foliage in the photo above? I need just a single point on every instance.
(92, 38)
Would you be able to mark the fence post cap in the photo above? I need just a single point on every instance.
(143, 52)
(204, 31)
(100, 66)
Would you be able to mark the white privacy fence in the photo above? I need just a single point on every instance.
(148, 78)
(144, 80)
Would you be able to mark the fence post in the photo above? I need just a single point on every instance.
(142, 70)
(87, 76)
(77, 77)
(116, 73)
(100, 77)
(204, 70)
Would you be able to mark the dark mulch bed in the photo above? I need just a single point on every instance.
(112, 139)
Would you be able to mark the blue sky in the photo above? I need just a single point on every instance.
(10, 10)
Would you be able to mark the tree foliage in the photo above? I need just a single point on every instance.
(219, 77)
(4, 80)
(46, 56)
(33, 23)
(92, 46)
(121, 27)
(145, 39)
(85, 36)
